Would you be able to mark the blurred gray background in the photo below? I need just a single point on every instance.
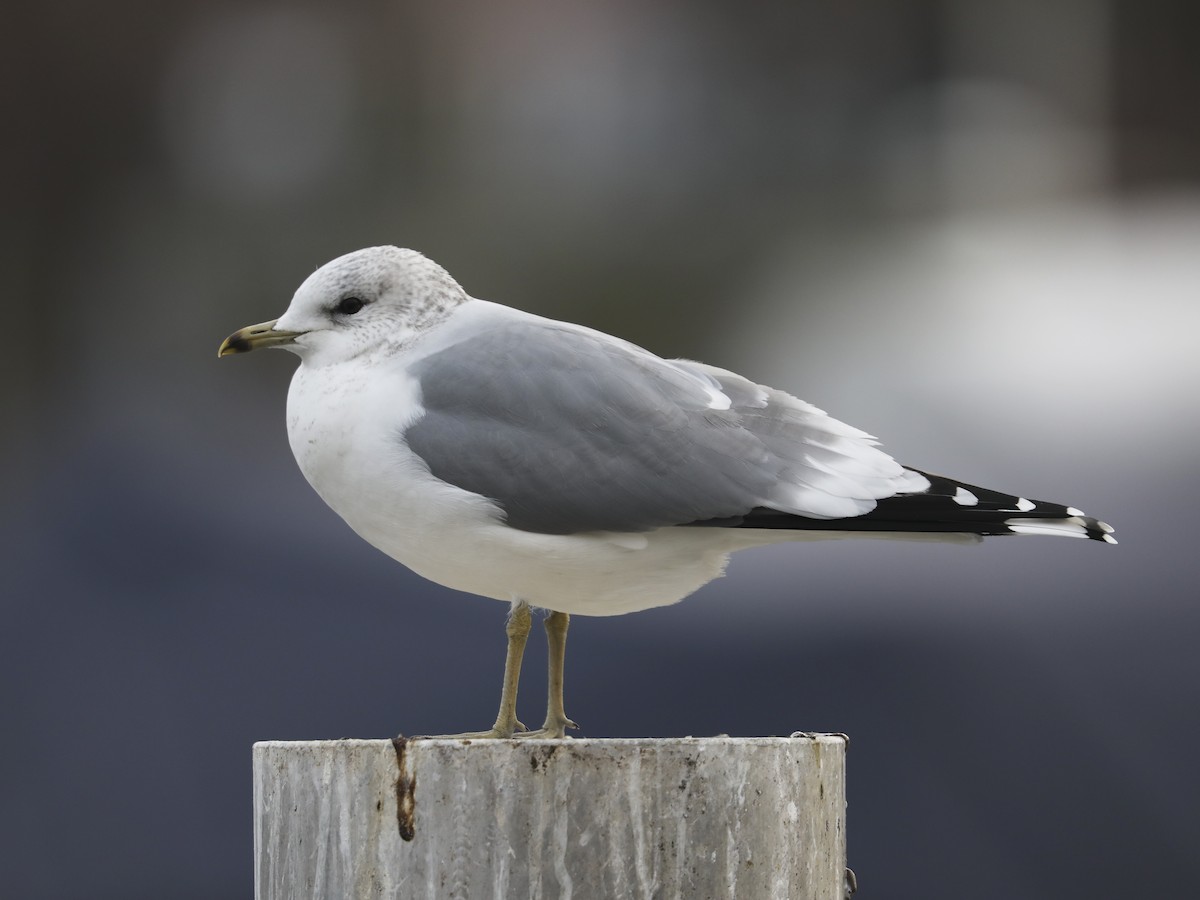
(972, 228)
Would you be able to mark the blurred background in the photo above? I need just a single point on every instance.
(970, 227)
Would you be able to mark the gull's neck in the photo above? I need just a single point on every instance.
(441, 298)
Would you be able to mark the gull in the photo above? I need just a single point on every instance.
(549, 465)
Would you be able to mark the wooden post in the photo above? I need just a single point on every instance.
(679, 818)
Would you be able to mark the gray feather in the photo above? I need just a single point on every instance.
(570, 433)
(570, 430)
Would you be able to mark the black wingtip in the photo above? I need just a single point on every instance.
(946, 507)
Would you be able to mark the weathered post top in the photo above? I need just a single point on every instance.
(685, 818)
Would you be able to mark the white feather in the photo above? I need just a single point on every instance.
(1054, 527)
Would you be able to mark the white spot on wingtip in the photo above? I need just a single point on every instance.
(1026, 505)
(1109, 539)
(963, 497)
(1106, 528)
(1072, 511)
(1055, 527)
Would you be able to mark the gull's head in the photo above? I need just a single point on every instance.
(374, 298)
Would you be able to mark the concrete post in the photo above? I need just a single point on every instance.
(686, 818)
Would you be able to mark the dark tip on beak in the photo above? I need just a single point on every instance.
(235, 343)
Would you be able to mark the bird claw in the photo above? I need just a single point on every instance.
(553, 729)
(501, 731)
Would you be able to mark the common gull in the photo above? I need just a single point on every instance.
(550, 465)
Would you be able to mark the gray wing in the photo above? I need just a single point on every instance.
(570, 431)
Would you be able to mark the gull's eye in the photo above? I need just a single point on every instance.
(348, 306)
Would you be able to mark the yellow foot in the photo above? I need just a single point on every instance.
(499, 732)
(554, 728)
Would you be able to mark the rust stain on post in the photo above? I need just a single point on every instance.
(406, 791)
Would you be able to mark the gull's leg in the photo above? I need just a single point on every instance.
(556, 638)
(556, 718)
(517, 630)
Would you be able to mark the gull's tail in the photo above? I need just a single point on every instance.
(947, 507)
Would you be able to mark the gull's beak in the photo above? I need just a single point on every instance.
(254, 336)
